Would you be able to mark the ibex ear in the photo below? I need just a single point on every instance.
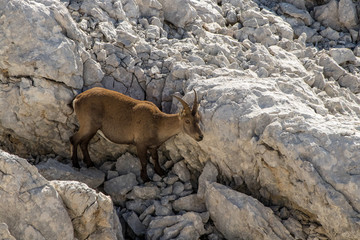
(196, 104)
(185, 105)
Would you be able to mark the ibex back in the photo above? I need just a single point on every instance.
(125, 120)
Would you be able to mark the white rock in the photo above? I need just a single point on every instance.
(30, 206)
(181, 171)
(92, 214)
(209, 174)
(237, 215)
(328, 14)
(178, 13)
(46, 58)
(54, 170)
(342, 55)
(92, 72)
(4, 232)
(293, 11)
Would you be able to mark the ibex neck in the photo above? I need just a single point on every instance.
(170, 126)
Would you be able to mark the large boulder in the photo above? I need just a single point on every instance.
(93, 215)
(280, 147)
(239, 216)
(30, 206)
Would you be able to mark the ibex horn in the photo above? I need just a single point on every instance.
(185, 105)
(196, 104)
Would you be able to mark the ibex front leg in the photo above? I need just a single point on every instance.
(142, 154)
(155, 157)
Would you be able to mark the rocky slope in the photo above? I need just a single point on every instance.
(278, 83)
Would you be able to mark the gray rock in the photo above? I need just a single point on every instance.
(31, 207)
(190, 203)
(92, 214)
(134, 223)
(148, 211)
(163, 209)
(119, 186)
(342, 55)
(54, 170)
(136, 205)
(293, 11)
(294, 227)
(237, 215)
(209, 174)
(128, 163)
(178, 188)
(171, 179)
(178, 13)
(330, 33)
(181, 171)
(92, 72)
(348, 15)
(328, 14)
(145, 192)
(187, 226)
(4, 232)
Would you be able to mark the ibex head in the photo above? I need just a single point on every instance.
(190, 119)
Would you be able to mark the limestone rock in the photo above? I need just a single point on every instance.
(46, 59)
(30, 206)
(119, 186)
(237, 215)
(128, 163)
(187, 226)
(209, 174)
(181, 171)
(348, 15)
(178, 13)
(54, 170)
(328, 14)
(92, 213)
(190, 203)
(342, 55)
(4, 232)
(293, 11)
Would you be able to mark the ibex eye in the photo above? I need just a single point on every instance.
(187, 121)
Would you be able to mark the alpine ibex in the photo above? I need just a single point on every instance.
(125, 120)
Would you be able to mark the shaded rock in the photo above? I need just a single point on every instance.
(342, 55)
(293, 11)
(209, 174)
(187, 226)
(92, 72)
(134, 223)
(294, 227)
(190, 203)
(4, 232)
(328, 14)
(348, 14)
(54, 170)
(119, 186)
(92, 214)
(181, 171)
(178, 13)
(128, 163)
(34, 210)
(237, 215)
(145, 192)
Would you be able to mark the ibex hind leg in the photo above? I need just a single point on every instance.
(74, 141)
(84, 148)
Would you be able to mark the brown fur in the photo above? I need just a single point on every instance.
(125, 120)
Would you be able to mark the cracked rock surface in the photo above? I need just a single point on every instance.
(278, 85)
